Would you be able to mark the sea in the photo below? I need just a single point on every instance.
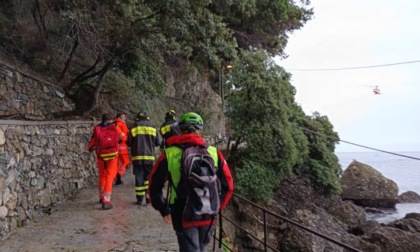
(402, 170)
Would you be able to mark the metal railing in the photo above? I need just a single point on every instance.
(265, 214)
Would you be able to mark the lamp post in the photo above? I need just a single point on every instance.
(221, 83)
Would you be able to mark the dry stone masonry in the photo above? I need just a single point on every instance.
(24, 96)
(41, 162)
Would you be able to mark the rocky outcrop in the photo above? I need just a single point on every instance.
(187, 89)
(340, 220)
(367, 187)
(409, 197)
(391, 239)
(411, 223)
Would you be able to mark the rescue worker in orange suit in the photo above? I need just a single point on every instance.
(123, 156)
(107, 163)
(165, 128)
(191, 236)
(143, 138)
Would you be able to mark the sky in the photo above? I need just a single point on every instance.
(360, 33)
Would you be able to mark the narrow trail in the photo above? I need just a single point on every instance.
(80, 224)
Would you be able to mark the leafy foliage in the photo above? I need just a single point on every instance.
(123, 47)
(322, 164)
(268, 131)
(258, 109)
(255, 181)
(262, 24)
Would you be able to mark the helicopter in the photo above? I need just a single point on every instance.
(376, 90)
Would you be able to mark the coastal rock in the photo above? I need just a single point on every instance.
(406, 224)
(340, 220)
(367, 187)
(412, 216)
(391, 239)
(348, 213)
(409, 197)
(374, 210)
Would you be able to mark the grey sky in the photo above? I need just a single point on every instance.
(360, 33)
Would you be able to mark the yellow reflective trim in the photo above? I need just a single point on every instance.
(143, 158)
(140, 193)
(109, 154)
(146, 182)
(142, 188)
(165, 129)
(143, 130)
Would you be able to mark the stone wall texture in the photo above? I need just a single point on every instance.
(25, 96)
(41, 162)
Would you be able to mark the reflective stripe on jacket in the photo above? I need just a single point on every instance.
(142, 139)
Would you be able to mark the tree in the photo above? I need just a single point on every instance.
(321, 163)
(89, 40)
(262, 24)
(272, 137)
(258, 108)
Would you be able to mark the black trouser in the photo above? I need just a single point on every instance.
(195, 239)
(141, 173)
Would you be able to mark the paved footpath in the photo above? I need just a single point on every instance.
(80, 225)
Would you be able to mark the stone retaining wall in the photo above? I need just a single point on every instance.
(41, 163)
(23, 95)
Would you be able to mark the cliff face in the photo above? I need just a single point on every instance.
(188, 90)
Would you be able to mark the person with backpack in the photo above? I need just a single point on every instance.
(123, 156)
(200, 185)
(104, 141)
(143, 138)
(165, 128)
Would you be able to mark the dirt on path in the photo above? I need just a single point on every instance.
(80, 224)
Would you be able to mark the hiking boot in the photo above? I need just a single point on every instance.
(147, 200)
(100, 201)
(118, 181)
(106, 206)
(139, 200)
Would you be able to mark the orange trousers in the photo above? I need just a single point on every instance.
(107, 172)
(123, 162)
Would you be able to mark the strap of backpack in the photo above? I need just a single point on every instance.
(220, 228)
(167, 192)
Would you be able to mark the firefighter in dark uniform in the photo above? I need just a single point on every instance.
(143, 138)
(165, 128)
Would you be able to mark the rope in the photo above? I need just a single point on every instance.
(363, 146)
(356, 67)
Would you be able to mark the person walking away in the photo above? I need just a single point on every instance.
(193, 229)
(123, 156)
(104, 141)
(165, 128)
(142, 139)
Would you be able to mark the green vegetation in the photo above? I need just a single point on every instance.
(279, 138)
(94, 48)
